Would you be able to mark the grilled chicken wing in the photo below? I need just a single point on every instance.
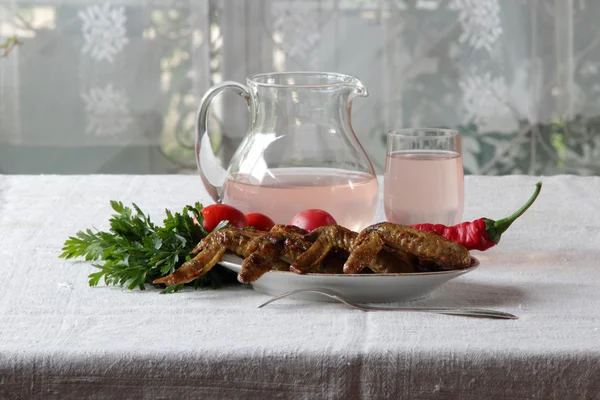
(327, 238)
(289, 229)
(324, 239)
(427, 247)
(392, 261)
(281, 244)
(209, 251)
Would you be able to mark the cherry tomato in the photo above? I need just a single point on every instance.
(312, 219)
(259, 221)
(216, 213)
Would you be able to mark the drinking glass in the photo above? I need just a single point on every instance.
(423, 181)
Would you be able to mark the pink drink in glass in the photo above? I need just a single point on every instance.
(424, 187)
(423, 180)
(350, 197)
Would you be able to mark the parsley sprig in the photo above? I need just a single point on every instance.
(136, 251)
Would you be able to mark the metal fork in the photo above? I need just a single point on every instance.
(469, 312)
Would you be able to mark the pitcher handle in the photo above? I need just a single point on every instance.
(211, 171)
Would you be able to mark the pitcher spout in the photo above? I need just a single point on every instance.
(359, 89)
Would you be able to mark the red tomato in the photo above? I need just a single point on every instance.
(216, 213)
(312, 219)
(259, 221)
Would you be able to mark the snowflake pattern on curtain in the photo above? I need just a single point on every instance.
(483, 97)
(480, 21)
(107, 110)
(104, 33)
(301, 32)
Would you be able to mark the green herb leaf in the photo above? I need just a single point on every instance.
(172, 288)
(135, 251)
(221, 225)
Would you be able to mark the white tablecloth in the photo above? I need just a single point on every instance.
(61, 339)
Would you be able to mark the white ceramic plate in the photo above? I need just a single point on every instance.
(371, 288)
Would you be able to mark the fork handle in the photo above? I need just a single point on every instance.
(469, 312)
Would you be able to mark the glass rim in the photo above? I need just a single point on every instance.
(407, 133)
(276, 79)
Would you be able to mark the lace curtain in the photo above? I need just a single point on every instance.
(97, 86)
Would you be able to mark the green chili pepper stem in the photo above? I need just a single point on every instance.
(495, 229)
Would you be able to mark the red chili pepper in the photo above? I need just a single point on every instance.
(482, 233)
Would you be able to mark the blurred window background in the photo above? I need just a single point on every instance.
(94, 86)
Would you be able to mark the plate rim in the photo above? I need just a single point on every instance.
(474, 264)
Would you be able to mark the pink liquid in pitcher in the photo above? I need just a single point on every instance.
(350, 197)
(424, 187)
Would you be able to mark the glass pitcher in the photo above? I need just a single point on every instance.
(299, 153)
